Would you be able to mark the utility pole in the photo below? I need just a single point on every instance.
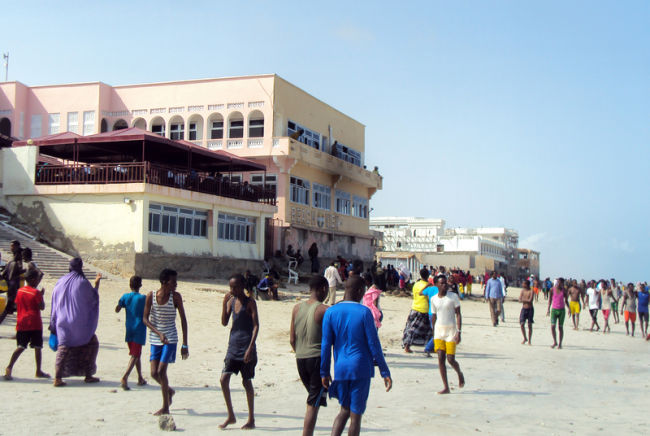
(5, 57)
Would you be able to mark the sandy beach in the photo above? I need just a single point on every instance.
(597, 384)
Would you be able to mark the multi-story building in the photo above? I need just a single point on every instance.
(314, 155)
(423, 241)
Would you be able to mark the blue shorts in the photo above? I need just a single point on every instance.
(163, 353)
(352, 394)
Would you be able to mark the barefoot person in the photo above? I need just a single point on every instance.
(494, 297)
(527, 311)
(241, 354)
(556, 309)
(447, 323)
(606, 304)
(628, 308)
(643, 298)
(136, 332)
(305, 335)
(29, 326)
(73, 319)
(418, 328)
(160, 316)
(574, 304)
(592, 299)
(349, 328)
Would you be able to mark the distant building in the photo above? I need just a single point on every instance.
(425, 241)
(314, 155)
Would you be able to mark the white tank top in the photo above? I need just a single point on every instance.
(164, 319)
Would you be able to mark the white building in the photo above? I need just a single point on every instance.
(425, 241)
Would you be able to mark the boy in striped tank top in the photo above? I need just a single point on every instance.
(160, 316)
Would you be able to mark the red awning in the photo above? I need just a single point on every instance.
(128, 145)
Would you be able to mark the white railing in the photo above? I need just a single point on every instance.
(235, 143)
(255, 143)
(235, 105)
(215, 145)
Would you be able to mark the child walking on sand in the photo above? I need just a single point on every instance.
(160, 316)
(29, 326)
(136, 331)
(241, 354)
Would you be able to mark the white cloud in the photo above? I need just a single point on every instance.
(533, 240)
(354, 34)
(623, 246)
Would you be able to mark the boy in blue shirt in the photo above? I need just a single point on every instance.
(136, 331)
(349, 328)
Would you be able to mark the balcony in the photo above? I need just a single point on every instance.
(326, 162)
(147, 172)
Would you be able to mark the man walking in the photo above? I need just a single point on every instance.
(350, 329)
(305, 336)
(574, 304)
(333, 279)
(447, 322)
(494, 296)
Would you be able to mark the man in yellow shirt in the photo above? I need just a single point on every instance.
(418, 327)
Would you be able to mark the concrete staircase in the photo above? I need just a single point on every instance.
(52, 262)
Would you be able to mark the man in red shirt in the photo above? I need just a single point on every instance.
(29, 326)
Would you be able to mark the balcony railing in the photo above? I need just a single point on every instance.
(146, 172)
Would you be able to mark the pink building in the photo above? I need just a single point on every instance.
(314, 155)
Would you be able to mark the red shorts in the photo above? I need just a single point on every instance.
(135, 349)
(629, 316)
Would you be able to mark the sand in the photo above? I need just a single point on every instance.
(597, 384)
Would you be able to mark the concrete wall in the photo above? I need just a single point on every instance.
(149, 266)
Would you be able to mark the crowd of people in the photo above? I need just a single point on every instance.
(319, 327)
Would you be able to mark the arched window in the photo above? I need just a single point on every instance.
(5, 127)
(140, 123)
(158, 126)
(103, 126)
(236, 125)
(195, 128)
(120, 124)
(215, 123)
(256, 124)
(177, 128)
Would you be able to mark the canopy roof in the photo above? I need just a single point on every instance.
(133, 144)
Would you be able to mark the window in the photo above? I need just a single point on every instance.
(158, 129)
(322, 197)
(177, 131)
(54, 123)
(256, 124)
(270, 179)
(360, 208)
(236, 228)
(89, 123)
(299, 191)
(308, 136)
(171, 220)
(234, 178)
(236, 125)
(193, 132)
(342, 202)
(73, 122)
(346, 153)
(216, 131)
(35, 127)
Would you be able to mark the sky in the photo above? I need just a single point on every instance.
(528, 115)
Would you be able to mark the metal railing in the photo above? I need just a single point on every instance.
(146, 172)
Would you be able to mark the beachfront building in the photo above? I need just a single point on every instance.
(131, 201)
(417, 241)
(314, 155)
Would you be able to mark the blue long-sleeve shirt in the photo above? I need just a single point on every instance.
(493, 289)
(349, 328)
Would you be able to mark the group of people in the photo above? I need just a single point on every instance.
(569, 296)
